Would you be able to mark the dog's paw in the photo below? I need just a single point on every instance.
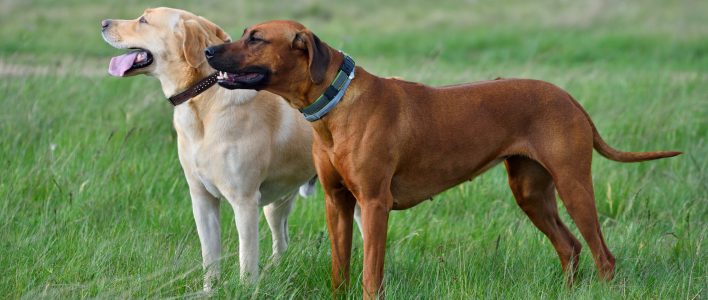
(208, 291)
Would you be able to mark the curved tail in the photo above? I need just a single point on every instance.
(611, 153)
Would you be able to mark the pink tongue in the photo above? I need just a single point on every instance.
(120, 64)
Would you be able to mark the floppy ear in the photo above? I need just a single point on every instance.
(317, 52)
(222, 35)
(218, 32)
(194, 40)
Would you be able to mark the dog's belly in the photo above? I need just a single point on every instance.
(409, 188)
(274, 190)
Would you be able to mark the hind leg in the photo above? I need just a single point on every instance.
(571, 171)
(575, 189)
(534, 192)
(277, 214)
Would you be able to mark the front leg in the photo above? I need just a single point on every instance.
(373, 195)
(374, 215)
(245, 208)
(205, 208)
(339, 204)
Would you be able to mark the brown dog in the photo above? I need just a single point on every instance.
(390, 144)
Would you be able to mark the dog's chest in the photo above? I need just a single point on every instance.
(187, 123)
(196, 157)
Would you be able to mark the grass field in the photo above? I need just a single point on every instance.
(93, 202)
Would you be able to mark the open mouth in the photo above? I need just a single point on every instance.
(137, 58)
(251, 78)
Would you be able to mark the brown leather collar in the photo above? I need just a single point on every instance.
(194, 90)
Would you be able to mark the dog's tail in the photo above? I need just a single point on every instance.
(308, 188)
(611, 153)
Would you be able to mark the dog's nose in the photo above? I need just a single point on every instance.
(105, 24)
(209, 52)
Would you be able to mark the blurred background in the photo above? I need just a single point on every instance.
(93, 202)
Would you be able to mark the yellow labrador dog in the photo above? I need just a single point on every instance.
(247, 147)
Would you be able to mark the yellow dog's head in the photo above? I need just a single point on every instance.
(161, 41)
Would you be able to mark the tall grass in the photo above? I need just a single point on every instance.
(93, 202)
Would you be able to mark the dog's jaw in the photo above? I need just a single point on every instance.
(256, 78)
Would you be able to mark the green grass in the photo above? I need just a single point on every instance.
(93, 202)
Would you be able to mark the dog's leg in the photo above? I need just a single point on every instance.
(374, 214)
(246, 212)
(339, 205)
(534, 192)
(339, 209)
(277, 214)
(205, 208)
(573, 180)
(578, 197)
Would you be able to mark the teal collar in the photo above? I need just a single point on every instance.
(333, 94)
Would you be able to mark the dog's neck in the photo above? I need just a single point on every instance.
(193, 117)
(308, 91)
(214, 97)
(324, 125)
(175, 82)
(317, 89)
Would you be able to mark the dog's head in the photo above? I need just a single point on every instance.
(283, 57)
(160, 41)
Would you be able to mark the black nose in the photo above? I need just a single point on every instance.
(209, 52)
(105, 24)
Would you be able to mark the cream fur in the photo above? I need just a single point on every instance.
(249, 148)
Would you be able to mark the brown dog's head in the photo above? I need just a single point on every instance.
(283, 57)
(162, 41)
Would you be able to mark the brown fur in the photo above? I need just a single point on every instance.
(390, 144)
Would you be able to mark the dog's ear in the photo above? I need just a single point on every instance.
(194, 40)
(317, 52)
(218, 32)
(222, 35)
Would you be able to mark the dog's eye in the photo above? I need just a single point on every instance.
(253, 39)
(143, 20)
